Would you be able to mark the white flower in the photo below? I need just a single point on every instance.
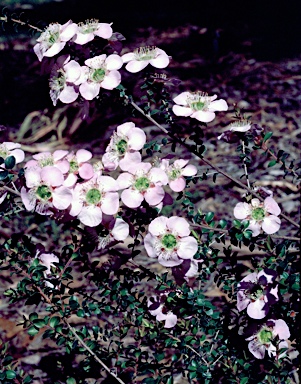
(91, 28)
(8, 149)
(143, 56)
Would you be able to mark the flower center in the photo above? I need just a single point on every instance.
(198, 101)
(98, 75)
(89, 26)
(145, 53)
(169, 241)
(45, 161)
(51, 34)
(73, 166)
(121, 146)
(142, 184)
(3, 151)
(265, 336)
(57, 81)
(43, 193)
(257, 294)
(258, 214)
(174, 173)
(93, 196)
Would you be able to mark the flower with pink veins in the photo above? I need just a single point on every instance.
(141, 57)
(257, 292)
(45, 159)
(66, 76)
(8, 149)
(156, 308)
(124, 146)
(91, 28)
(93, 198)
(176, 171)
(169, 240)
(54, 39)
(79, 166)
(260, 215)
(45, 191)
(100, 72)
(142, 181)
(198, 105)
(265, 339)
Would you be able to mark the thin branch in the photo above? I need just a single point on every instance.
(206, 161)
(92, 353)
(5, 19)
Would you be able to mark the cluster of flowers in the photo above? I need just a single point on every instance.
(257, 292)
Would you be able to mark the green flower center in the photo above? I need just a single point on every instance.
(3, 151)
(98, 75)
(51, 35)
(45, 161)
(257, 294)
(265, 336)
(43, 193)
(121, 146)
(142, 184)
(174, 174)
(73, 166)
(198, 101)
(88, 27)
(93, 196)
(258, 214)
(145, 53)
(169, 241)
(197, 105)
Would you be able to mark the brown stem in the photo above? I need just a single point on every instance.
(4, 18)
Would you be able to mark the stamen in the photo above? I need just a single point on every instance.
(146, 53)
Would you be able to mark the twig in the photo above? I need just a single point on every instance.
(5, 19)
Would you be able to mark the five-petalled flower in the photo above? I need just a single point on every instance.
(141, 57)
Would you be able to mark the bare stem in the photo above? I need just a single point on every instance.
(5, 19)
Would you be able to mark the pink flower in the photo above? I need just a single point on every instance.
(176, 171)
(65, 77)
(143, 56)
(265, 339)
(45, 191)
(257, 292)
(142, 181)
(93, 198)
(91, 28)
(47, 259)
(260, 215)
(156, 308)
(100, 72)
(117, 230)
(79, 166)
(45, 159)
(123, 147)
(198, 105)
(54, 39)
(169, 240)
(8, 149)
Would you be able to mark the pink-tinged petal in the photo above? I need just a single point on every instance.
(270, 275)
(110, 203)
(38, 51)
(281, 329)
(96, 62)
(59, 154)
(54, 49)
(157, 175)
(158, 226)
(255, 311)
(179, 226)
(114, 62)
(62, 197)
(104, 30)
(172, 262)
(274, 292)
(251, 277)
(171, 320)
(255, 228)
(111, 81)
(72, 71)
(121, 230)
(28, 200)
(124, 180)
(128, 57)
(125, 128)
(131, 198)
(18, 155)
(180, 163)
(135, 168)
(129, 159)
(178, 185)
(68, 30)
(242, 210)
(218, 105)
(271, 224)
(136, 66)
(83, 38)
(188, 247)
(204, 116)
(70, 181)
(90, 216)
(52, 175)
(182, 98)
(242, 301)
(189, 170)
(240, 128)
(108, 184)
(182, 111)
(86, 171)
(149, 245)
(137, 139)
(193, 269)
(33, 177)
(68, 94)
(3, 197)
(108, 163)
(82, 155)
(63, 166)
(47, 259)
(271, 206)
(161, 61)
(89, 90)
(76, 207)
(256, 349)
(153, 196)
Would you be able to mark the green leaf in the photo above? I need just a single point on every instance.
(54, 321)
(3, 174)
(10, 162)
(32, 331)
(267, 136)
(244, 380)
(71, 380)
(10, 375)
(272, 163)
